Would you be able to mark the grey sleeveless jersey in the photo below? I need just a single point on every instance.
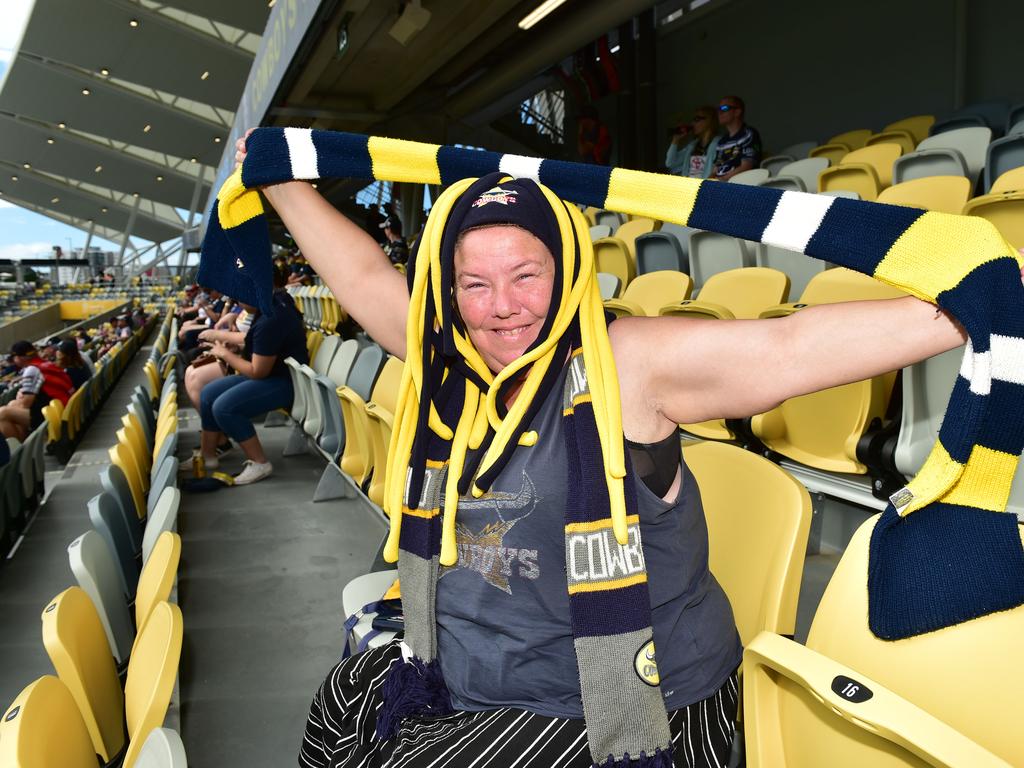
(503, 626)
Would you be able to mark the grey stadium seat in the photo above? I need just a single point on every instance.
(656, 251)
(96, 572)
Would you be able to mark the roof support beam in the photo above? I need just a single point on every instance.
(128, 230)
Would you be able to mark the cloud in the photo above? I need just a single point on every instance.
(16, 13)
(6, 204)
(26, 250)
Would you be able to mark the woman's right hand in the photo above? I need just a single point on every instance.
(240, 150)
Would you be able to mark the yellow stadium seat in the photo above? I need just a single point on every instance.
(917, 126)
(151, 673)
(380, 412)
(134, 459)
(1005, 210)
(822, 429)
(834, 153)
(52, 413)
(946, 194)
(904, 138)
(647, 294)
(612, 256)
(836, 148)
(121, 456)
(153, 379)
(28, 728)
(736, 293)
(589, 213)
(157, 577)
(945, 698)
(357, 459)
(77, 646)
(854, 139)
(758, 518)
(866, 171)
(137, 441)
(1010, 181)
(313, 340)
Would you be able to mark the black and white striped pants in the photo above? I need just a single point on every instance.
(343, 716)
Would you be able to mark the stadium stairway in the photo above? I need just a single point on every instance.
(37, 569)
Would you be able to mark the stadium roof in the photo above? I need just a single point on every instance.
(115, 105)
(122, 112)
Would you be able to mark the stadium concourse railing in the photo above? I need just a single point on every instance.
(120, 622)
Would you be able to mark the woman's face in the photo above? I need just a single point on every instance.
(504, 278)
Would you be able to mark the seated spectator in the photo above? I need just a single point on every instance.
(40, 383)
(740, 149)
(124, 328)
(301, 272)
(206, 316)
(74, 365)
(261, 383)
(694, 146)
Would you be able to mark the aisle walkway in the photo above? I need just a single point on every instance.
(260, 586)
(37, 570)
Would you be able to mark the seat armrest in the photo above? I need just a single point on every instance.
(696, 308)
(624, 308)
(782, 310)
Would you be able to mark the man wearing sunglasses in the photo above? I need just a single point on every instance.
(740, 149)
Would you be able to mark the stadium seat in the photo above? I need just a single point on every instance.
(1001, 156)
(162, 749)
(866, 171)
(362, 591)
(833, 153)
(151, 674)
(157, 577)
(822, 429)
(775, 162)
(946, 194)
(800, 268)
(866, 701)
(959, 152)
(926, 389)
(736, 293)
(121, 455)
(164, 517)
(787, 155)
(1010, 181)
(758, 518)
(313, 421)
(1005, 210)
(77, 646)
(611, 255)
(96, 573)
(108, 520)
(28, 727)
(901, 137)
(839, 145)
(116, 483)
(711, 252)
(325, 388)
(609, 285)
(755, 177)
(380, 412)
(166, 477)
(600, 230)
(1014, 118)
(682, 233)
(800, 176)
(992, 114)
(917, 126)
(631, 230)
(648, 293)
(612, 219)
(656, 251)
(357, 459)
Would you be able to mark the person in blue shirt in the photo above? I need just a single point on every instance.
(260, 384)
(694, 146)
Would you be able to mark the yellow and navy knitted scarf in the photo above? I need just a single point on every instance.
(955, 558)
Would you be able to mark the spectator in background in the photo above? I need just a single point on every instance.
(593, 141)
(40, 383)
(396, 249)
(740, 149)
(261, 383)
(74, 365)
(694, 146)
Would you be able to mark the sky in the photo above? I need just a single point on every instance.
(24, 233)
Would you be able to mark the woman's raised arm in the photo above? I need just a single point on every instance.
(350, 262)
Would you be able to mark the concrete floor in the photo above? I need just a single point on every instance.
(260, 586)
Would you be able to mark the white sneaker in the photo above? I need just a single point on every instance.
(253, 472)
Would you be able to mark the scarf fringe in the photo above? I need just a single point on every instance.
(412, 687)
(660, 759)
